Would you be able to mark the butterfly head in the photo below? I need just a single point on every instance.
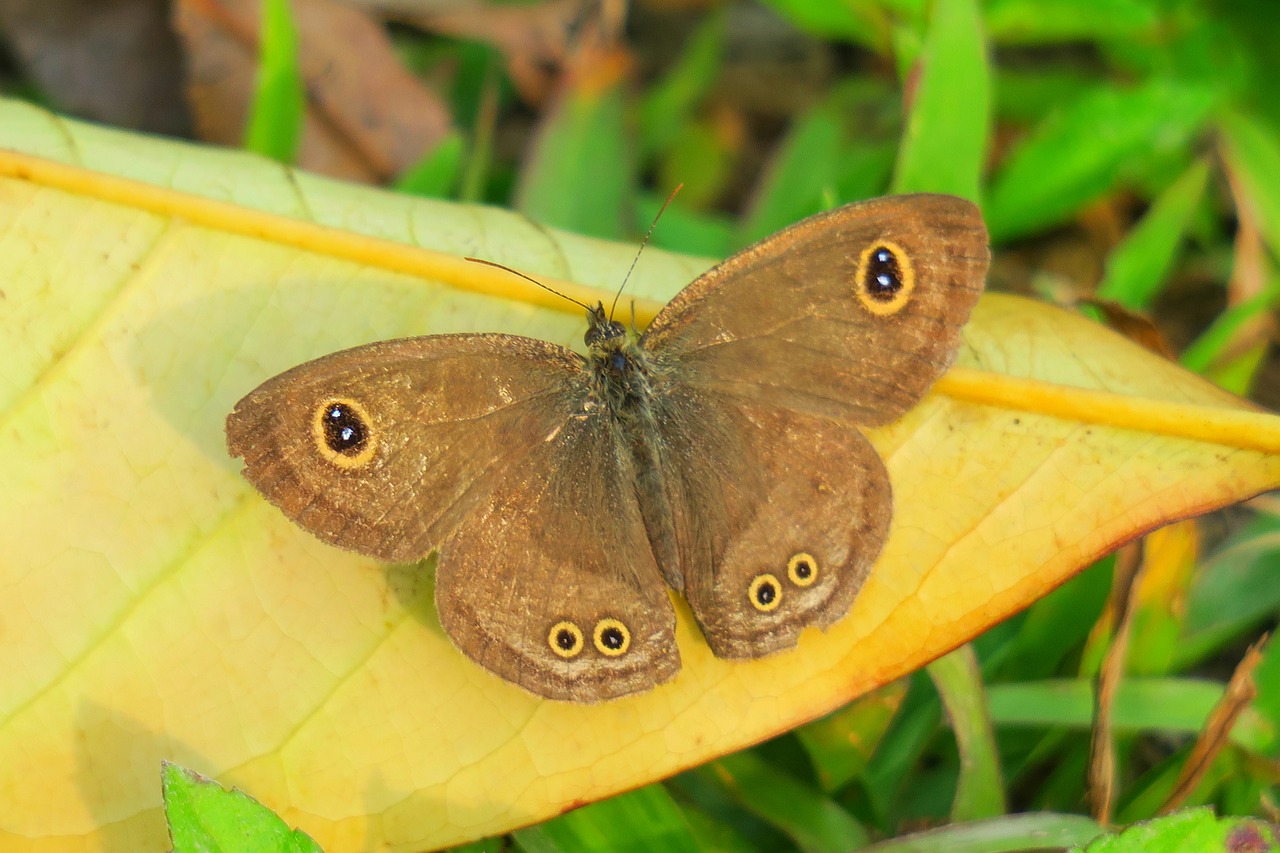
(602, 330)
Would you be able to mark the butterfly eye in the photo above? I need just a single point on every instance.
(343, 433)
(765, 593)
(884, 279)
(802, 569)
(565, 639)
(611, 637)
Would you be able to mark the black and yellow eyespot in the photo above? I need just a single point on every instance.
(802, 569)
(884, 279)
(343, 433)
(765, 593)
(611, 638)
(565, 639)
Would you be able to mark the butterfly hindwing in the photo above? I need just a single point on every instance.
(552, 583)
(780, 515)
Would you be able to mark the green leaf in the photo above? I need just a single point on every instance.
(1027, 95)
(1080, 152)
(1213, 341)
(979, 789)
(1191, 831)
(1058, 624)
(1138, 265)
(683, 230)
(279, 103)
(862, 22)
(945, 142)
(804, 167)
(437, 173)
(578, 176)
(996, 835)
(1267, 679)
(1234, 591)
(669, 104)
(205, 818)
(1253, 153)
(700, 161)
(814, 822)
(840, 745)
(640, 820)
(1049, 21)
(1166, 704)
(827, 159)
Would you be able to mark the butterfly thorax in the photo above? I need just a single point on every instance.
(619, 368)
(622, 377)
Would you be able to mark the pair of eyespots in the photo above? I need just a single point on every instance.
(765, 591)
(884, 278)
(610, 637)
(343, 433)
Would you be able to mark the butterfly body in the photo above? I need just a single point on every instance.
(719, 454)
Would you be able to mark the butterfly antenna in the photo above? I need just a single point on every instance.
(643, 242)
(528, 278)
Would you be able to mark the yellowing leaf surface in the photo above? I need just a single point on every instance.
(152, 606)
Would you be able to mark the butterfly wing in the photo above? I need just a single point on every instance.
(769, 363)
(384, 449)
(552, 584)
(852, 313)
(480, 446)
(779, 515)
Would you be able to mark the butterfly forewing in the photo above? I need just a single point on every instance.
(385, 449)
(851, 313)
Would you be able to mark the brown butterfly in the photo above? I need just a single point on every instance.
(718, 454)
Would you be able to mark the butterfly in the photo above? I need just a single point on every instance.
(719, 454)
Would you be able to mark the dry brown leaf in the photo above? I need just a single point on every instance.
(367, 118)
(1214, 736)
(1102, 762)
(116, 62)
(535, 38)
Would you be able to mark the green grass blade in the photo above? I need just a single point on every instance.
(279, 102)
(1080, 152)
(997, 835)
(578, 176)
(437, 173)
(1252, 149)
(641, 820)
(979, 789)
(1056, 21)
(669, 104)
(1165, 704)
(815, 823)
(1213, 341)
(1137, 267)
(945, 142)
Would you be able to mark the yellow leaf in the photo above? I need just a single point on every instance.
(152, 606)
